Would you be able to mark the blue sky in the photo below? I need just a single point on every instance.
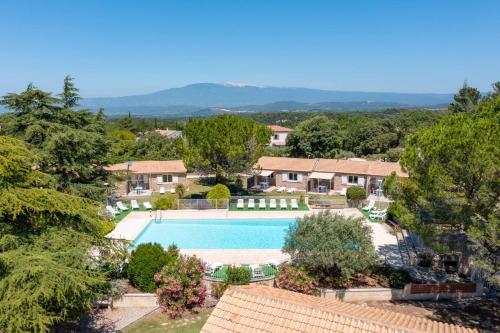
(116, 48)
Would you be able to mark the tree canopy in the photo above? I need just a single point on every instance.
(454, 182)
(225, 145)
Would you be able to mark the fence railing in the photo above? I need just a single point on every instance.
(202, 204)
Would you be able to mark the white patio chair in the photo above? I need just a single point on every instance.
(283, 204)
(172, 191)
(294, 204)
(379, 214)
(272, 203)
(213, 267)
(280, 189)
(162, 190)
(262, 203)
(112, 211)
(370, 206)
(240, 204)
(291, 190)
(256, 271)
(343, 191)
(251, 203)
(121, 206)
(134, 204)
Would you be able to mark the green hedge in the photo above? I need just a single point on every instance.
(146, 260)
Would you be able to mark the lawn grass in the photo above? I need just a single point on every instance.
(158, 322)
(196, 189)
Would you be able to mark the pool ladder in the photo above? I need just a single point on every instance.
(158, 213)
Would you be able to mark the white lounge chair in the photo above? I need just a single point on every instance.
(251, 203)
(343, 191)
(112, 211)
(172, 191)
(291, 190)
(162, 190)
(379, 214)
(370, 206)
(147, 205)
(121, 206)
(134, 204)
(256, 271)
(294, 204)
(283, 204)
(272, 203)
(240, 204)
(262, 203)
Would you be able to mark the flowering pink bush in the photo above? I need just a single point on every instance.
(295, 278)
(181, 285)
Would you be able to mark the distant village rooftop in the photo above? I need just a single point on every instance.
(257, 308)
(278, 128)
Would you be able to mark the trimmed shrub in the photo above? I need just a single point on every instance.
(399, 278)
(356, 194)
(425, 259)
(145, 261)
(166, 202)
(296, 279)
(237, 276)
(180, 190)
(181, 285)
(219, 191)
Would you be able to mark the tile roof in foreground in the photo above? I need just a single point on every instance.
(175, 166)
(278, 128)
(258, 308)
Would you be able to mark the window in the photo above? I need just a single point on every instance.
(352, 179)
(276, 136)
(167, 178)
(293, 176)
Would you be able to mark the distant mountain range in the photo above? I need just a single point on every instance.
(202, 99)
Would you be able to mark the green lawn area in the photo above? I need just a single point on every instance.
(158, 322)
(197, 189)
(122, 215)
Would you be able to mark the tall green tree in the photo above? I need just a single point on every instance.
(466, 100)
(454, 183)
(314, 138)
(70, 95)
(225, 145)
(71, 144)
(47, 274)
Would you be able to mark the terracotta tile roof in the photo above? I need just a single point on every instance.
(371, 168)
(176, 166)
(278, 128)
(285, 164)
(260, 308)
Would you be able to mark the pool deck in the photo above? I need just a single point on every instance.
(130, 227)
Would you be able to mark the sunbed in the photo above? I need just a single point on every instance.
(121, 206)
(256, 271)
(379, 214)
(147, 205)
(134, 204)
(112, 211)
(251, 203)
(370, 206)
(262, 203)
(291, 190)
(272, 203)
(240, 204)
(283, 204)
(294, 204)
(281, 189)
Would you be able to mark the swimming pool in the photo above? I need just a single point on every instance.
(216, 233)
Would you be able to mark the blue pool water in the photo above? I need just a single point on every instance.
(216, 233)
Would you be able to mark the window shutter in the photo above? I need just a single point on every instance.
(361, 181)
(344, 180)
(159, 179)
(175, 179)
(299, 177)
(284, 176)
